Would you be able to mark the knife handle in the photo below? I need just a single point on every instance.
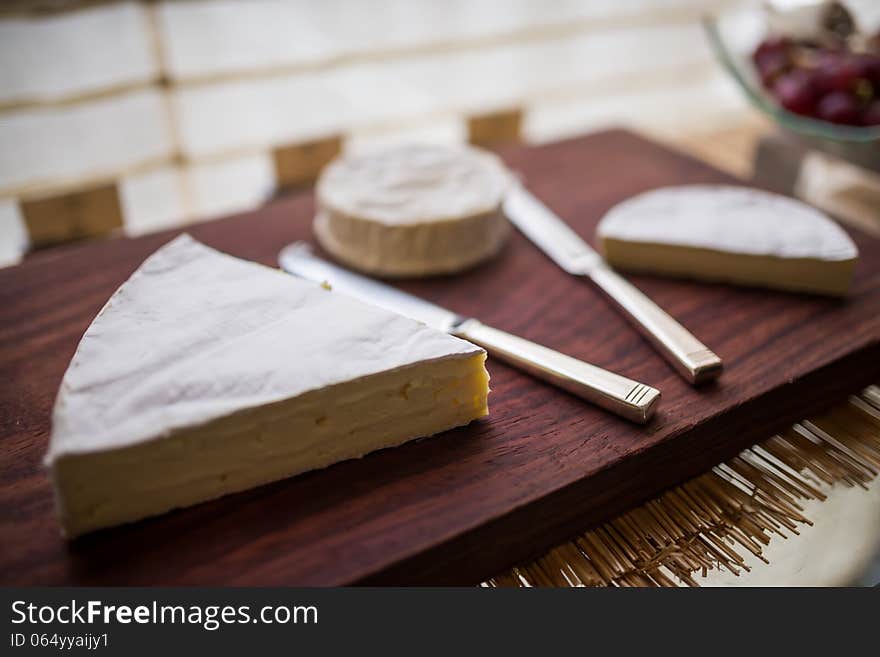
(630, 399)
(694, 360)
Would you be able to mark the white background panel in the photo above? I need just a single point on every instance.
(442, 130)
(13, 233)
(261, 112)
(50, 57)
(699, 104)
(226, 36)
(233, 185)
(88, 139)
(246, 113)
(152, 201)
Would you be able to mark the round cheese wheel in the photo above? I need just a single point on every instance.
(732, 234)
(413, 210)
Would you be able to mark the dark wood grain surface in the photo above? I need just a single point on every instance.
(461, 506)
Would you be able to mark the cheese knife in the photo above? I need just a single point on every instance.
(630, 399)
(690, 357)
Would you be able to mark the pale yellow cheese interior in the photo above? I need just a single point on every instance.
(255, 446)
(830, 277)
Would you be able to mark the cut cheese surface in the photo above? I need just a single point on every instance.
(729, 234)
(205, 374)
(413, 210)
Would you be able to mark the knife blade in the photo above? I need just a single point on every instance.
(630, 399)
(690, 357)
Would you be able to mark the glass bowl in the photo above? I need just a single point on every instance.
(734, 35)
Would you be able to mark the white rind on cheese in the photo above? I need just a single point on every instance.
(728, 218)
(204, 374)
(413, 210)
(729, 233)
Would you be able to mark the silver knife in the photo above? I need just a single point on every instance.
(693, 360)
(630, 399)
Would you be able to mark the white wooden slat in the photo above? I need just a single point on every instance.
(170, 197)
(13, 233)
(51, 57)
(668, 105)
(153, 200)
(222, 37)
(440, 130)
(55, 145)
(226, 116)
(230, 186)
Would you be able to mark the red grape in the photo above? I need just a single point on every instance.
(839, 74)
(772, 65)
(828, 82)
(772, 44)
(771, 58)
(869, 68)
(839, 107)
(871, 115)
(796, 92)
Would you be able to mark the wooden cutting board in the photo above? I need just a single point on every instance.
(464, 505)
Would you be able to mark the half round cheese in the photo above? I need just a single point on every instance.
(413, 210)
(730, 234)
(205, 374)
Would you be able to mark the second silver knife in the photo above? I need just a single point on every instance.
(630, 399)
(693, 360)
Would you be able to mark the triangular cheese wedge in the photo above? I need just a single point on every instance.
(205, 374)
(731, 234)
